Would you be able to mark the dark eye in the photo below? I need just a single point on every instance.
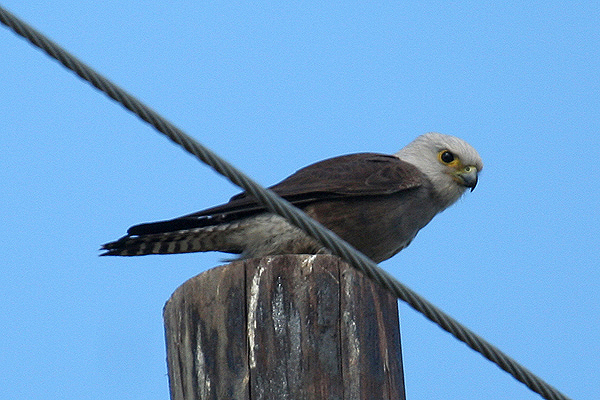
(447, 157)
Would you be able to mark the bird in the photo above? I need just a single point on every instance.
(375, 202)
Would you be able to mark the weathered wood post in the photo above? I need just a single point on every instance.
(283, 327)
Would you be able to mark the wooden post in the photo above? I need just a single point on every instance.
(283, 327)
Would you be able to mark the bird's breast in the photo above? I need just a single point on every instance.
(378, 226)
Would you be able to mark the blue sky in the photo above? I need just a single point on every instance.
(273, 87)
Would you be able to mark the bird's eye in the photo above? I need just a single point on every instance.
(446, 156)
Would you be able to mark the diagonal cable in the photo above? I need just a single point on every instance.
(285, 209)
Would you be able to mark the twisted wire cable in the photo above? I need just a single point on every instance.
(280, 206)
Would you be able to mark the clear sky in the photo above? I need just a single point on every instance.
(273, 87)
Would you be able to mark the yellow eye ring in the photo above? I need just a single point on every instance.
(447, 157)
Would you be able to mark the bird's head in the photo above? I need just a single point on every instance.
(451, 164)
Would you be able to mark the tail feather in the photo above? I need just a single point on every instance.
(256, 236)
(183, 241)
(172, 225)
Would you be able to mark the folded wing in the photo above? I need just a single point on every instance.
(349, 176)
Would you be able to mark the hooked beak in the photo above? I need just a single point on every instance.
(467, 176)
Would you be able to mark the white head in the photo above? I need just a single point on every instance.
(450, 163)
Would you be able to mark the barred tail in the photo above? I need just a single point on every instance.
(185, 241)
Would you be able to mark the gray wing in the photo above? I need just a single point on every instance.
(344, 177)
